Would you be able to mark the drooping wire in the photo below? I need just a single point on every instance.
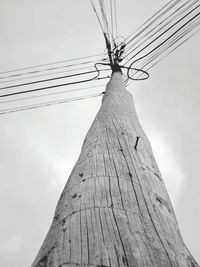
(108, 31)
(169, 45)
(45, 74)
(148, 57)
(171, 17)
(148, 23)
(158, 46)
(55, 86)
(95, 11)
(174, 49)
(50, 94)
(51, 63)
(46, 104)
(151, 21)
(49, 69)
(159, 29)
(165, 55)
(160, 35)
(115, 12)
(111, 17)
(138, 70)
(172, 42)
(104, 18)
(163, 48)
(54, 78)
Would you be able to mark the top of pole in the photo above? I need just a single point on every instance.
(114, 56)
(115, 84)
(116, 68)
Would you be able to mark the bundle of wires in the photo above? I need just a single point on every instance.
(169, 28)
(160, 35)
(37, 86)
(174, 24)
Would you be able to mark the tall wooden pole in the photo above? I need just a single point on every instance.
(115, 210)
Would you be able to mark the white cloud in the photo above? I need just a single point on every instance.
(168, 165)
(62, 169)
(12, 245)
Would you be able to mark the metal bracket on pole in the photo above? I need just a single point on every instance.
(136, 143)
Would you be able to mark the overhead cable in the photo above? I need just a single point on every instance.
(150, 21)
(50, 94)
(53, 86)
(142, 49)
(54, 78)
(171, 19)
(187, 30)
(51, 63)
(46, 104)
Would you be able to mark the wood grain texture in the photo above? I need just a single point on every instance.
(114, 210)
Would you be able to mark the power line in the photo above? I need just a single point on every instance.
(52, 86)
(142, 29)
(51, 63)
(149, 22)
(159, 29)
(48, 69)
(152, 26)
(147, 56)
(111, 16)
(115, 12)
(104, 17)
(173, 49)
(177, 46)
(108, 30)
(182, 33)
(178, 36)
(53, 79)
(165, 32)
(45, 74)
(95, 11)
(50, 94)
(46, 104)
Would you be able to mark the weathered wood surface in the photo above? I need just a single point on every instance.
(114, 209)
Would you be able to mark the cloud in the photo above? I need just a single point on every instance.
(168, 164)
(12, 245)
(62, 169)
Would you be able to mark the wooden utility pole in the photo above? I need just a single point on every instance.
(115, 210)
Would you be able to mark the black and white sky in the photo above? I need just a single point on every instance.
(38, 148)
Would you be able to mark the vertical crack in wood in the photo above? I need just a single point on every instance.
(150, 213)
(88, 250)
(145, 200)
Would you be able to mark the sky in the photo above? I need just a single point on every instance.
(38, 148)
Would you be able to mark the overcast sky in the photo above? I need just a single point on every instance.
(38, 148)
